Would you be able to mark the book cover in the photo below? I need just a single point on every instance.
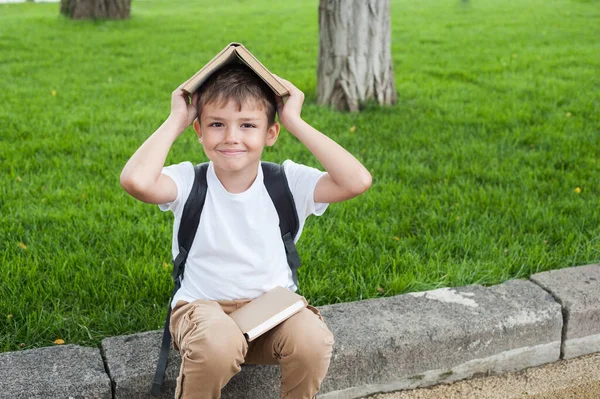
(267, 311)
(235, 52)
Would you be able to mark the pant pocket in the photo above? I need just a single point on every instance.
(180, 331)
(315, 311)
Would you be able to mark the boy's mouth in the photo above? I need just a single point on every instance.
(231, 153)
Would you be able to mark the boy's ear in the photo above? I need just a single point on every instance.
(272, 134)
(197, 128)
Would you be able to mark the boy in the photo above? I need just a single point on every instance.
(237, 253)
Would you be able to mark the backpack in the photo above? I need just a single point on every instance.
(277, 186)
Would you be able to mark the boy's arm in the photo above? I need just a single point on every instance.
(141, 177)
(346, 177)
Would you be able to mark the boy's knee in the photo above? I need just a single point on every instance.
(308, 341)
(313, 350)
(215, 344)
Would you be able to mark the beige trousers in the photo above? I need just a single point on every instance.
(212, 349)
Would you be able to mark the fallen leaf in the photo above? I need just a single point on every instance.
(53, 93)
(165, 265)
(569, 114)
(578, 190)
(22, 345)
(59, 341)
(22, 245)
(353, 129)
(381, 290)
(19, 178)
(9, 316)
(396, 238)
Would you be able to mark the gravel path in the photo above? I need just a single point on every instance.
(568, 379)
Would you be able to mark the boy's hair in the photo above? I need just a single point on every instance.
(238, 83)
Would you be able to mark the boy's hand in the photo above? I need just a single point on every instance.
(182, 112)
(289, 110)
(346, 177)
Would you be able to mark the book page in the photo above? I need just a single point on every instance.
(271, 307)
(274, 321)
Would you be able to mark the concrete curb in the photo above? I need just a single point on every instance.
(68, 371)
(382, 345)
(577, 290)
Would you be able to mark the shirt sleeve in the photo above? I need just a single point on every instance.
(302, 180)
(183, 176)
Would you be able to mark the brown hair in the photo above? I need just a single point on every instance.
(238, 83)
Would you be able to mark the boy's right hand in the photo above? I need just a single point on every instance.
(182, 112)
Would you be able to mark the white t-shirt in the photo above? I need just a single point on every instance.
(238, 252)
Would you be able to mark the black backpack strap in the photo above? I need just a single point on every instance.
(279, 191)
(190, 219)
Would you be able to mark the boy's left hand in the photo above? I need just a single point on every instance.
(346, 177)
(290, 109)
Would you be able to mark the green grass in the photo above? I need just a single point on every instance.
(475, 170)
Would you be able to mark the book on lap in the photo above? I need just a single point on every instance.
(235, 52)
(267, 311)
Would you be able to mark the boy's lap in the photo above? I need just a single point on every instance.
(306, 327)
(307, 324)
(200, 319)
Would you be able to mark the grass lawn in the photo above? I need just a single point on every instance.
(486, 170)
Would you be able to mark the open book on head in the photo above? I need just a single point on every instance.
(235, 52)
(267, 311)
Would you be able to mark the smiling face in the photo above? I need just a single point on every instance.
(233, 137)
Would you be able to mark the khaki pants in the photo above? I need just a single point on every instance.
(212, 349)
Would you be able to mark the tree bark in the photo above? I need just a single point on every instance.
(355, 56)
(95, 9)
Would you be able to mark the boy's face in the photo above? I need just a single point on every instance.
(234, 140)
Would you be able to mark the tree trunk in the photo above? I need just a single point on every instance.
(355, 56)
(95, 9)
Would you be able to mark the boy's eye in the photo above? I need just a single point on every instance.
(216, 124)
(248, 125)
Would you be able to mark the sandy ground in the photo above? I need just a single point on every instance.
(567, 379)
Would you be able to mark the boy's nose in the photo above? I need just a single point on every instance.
(231, 135)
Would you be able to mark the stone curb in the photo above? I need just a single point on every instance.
(386, 344)
(68, 371)
(578, 291)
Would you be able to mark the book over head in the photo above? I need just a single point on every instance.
(267, 311)
(235, 52)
